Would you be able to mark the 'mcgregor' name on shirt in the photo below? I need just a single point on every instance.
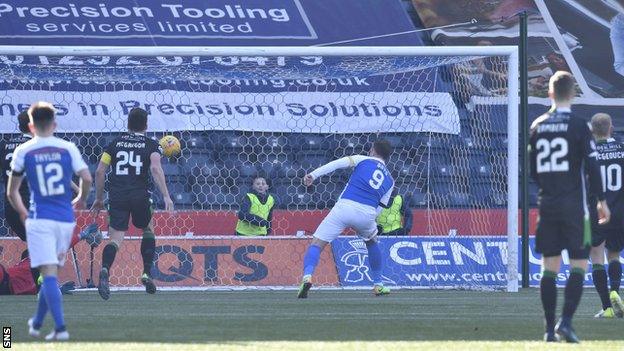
(126, 144)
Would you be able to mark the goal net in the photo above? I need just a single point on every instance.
(278, 113)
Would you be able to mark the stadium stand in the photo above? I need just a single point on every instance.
(211, 176)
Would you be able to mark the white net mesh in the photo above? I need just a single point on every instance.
(281, 117)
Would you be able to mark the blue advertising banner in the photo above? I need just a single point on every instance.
(196, 22)
(436, 262)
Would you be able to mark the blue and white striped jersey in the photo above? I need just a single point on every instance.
(370, 183)
(49, 164)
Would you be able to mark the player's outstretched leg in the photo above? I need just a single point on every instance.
(376, 264)
(548, 295)
(108, 257)
(310, 261)
(148, 247)
(572, 298)
(615, 277)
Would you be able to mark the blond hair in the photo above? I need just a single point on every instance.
(601, 125)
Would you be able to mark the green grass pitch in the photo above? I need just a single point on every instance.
(328, 320)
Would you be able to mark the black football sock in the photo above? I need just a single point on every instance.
(108, 255)
(600, 282)
(615, 275)
(148, 246)
(572, 294)
(548, 294)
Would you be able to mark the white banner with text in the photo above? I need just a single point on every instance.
(302, 112)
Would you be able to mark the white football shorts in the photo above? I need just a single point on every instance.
(48, 241)
(348, 214)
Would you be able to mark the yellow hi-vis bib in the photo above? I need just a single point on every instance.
(390, 218)
(258, 209)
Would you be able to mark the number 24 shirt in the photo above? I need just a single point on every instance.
(129, 158)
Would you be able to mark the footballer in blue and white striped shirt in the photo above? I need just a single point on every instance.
(369, 188)
(48, 164)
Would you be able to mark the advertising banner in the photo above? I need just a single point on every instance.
(117, 19)
(315, 112)
(197, 262)
(437, 262)
(203, 23)
(415, 262)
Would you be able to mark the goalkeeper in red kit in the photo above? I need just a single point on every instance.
(19, 279)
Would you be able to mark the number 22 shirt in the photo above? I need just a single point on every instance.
(561, 145)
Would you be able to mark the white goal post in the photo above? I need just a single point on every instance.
(507, 96)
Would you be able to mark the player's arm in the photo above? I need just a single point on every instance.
(159, 178)
(100, 178)
(16, 177)
(82, 171)
(532, 156)
(593, 170)
(84, 187)
(341, 163)
(15, 198)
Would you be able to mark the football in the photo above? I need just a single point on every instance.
(170, 145)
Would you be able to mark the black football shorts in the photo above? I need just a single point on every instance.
(612, 234)
(557, 232)
(120, 211)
